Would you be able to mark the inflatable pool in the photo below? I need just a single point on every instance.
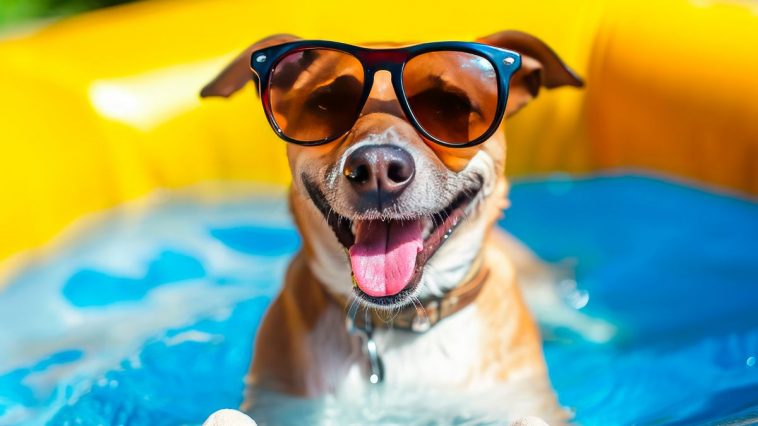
(145, 232)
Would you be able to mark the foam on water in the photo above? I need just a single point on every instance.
(149, 316)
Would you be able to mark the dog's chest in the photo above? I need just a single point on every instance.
(449, 354)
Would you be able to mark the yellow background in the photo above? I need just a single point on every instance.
(103, 108)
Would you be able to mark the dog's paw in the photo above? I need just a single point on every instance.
(529, 421)
(229, 417)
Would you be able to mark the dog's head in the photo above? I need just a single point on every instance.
(386, 214)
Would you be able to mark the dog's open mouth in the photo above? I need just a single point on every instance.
(387, 256)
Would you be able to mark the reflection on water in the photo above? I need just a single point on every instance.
(150, 317)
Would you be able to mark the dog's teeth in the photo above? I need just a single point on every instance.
(353, 226)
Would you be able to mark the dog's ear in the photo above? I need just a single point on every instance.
(540, 67)
(238, 72)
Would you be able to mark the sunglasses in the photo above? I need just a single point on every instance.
(453, 93)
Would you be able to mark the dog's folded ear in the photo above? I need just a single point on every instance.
(238, 72)
(540, 67)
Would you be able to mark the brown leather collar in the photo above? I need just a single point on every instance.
(411, 318)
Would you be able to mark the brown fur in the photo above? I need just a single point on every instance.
(303, 347)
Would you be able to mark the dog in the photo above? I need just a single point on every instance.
(441, 306)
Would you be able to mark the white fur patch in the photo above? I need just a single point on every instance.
(454, 258)
(444, 356)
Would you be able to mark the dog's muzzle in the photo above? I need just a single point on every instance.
(387, 255)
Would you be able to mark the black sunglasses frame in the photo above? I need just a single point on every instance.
(504, 62)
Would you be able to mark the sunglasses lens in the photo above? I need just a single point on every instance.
(315, 94)
(453, 95)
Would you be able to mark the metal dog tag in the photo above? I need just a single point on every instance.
(365, 333)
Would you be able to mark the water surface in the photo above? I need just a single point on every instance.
(148, 317)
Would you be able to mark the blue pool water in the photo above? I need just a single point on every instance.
(147, 314)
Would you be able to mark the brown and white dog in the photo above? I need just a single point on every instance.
(460, 321)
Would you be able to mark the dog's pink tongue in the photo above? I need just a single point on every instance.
(384, 255)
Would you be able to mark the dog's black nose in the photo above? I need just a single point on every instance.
(379, 173)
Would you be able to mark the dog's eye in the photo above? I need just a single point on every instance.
(444, 111)
(443, 103)
(338, 97)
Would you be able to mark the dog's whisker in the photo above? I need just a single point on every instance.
(420, 311)
(434, 288)
(353, 310)
(353, 300)
(384, 315)
(394, 312)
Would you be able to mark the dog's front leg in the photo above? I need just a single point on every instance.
(302, 348)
